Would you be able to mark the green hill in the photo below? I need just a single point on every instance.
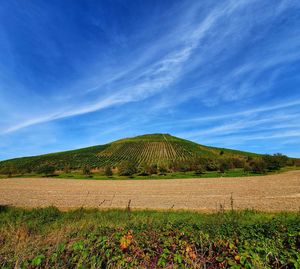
(146, 149)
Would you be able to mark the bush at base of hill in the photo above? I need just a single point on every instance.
(108, 172)
(46, 170)
(127, 168)
(275, 162)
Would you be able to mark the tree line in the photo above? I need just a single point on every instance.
(259, 164)
(201, 165)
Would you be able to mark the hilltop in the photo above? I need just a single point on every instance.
(145, 155)
(146, 149)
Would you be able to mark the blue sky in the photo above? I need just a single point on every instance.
(81, 73)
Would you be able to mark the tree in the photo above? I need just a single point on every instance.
(247, 168)
(184, 167)
(212, 165)
(86, 170)
(7, 169)
(126, 168)
(108, 171)
(258, 166)
(67, 168)
(224, 165)
(275, 162)
(46, 169)
(144, 169)
(174, 166)
(199, 169)
(237, 162)
(197, 165)
(153, 169)
(162, 169)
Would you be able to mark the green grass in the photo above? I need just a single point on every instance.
(176, 175)
(49, 238)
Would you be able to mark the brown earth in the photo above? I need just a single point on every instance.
(268, 193)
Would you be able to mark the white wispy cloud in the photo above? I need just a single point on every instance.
(205, 49)
(152, 79)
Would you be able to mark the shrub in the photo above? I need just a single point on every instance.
(108, 172)
(238, 162)
(258, 166)
(153, 169)
(196, 164)
(275, 162)
(212, 165)
(174, 166)
(162, 170)
(184, 167)
(7, 169)
(67, 168)
(224, 165)
(247, 168)
(126, 168)
(86, 170)
(46, 169)
(144, 169)
(199, 169)
(112, 239)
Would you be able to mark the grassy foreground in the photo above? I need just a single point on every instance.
(49, 238)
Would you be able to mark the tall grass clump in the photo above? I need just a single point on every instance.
(90, 238)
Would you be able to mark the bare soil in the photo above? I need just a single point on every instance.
(269, 193)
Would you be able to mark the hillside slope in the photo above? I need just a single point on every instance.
(148, 149)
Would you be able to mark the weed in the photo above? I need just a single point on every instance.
(90, 238)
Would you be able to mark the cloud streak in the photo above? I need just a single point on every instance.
(153, 79)
(202, 70)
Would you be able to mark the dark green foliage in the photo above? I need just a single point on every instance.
(184, 167)
(86, 170)
(275, 162)
(174, 166)
(127, 168)
(46, 169)
(247, 168)
(238, 162)
(212, 165)
(258, 166)
(163, 170)
(108, 171)
(199, 169)
(48, 238)
(144, 169)
(225, 165)
(67, 168)
(152, 169)
(8, 169)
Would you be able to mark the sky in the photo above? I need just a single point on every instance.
(80, 73)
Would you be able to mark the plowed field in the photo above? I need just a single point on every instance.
(270, 193)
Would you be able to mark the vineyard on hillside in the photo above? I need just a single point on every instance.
(145, 149)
